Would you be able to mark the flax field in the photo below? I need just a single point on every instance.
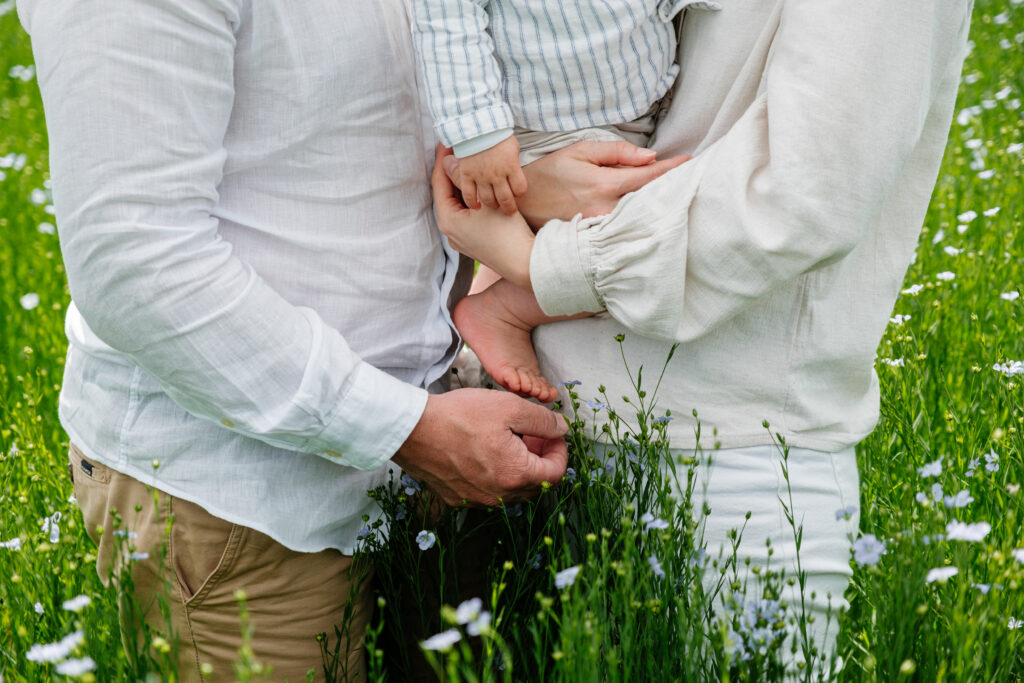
(604, 577)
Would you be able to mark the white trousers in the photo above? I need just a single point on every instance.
(825, 503)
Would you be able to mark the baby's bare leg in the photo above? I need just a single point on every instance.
(496, 324)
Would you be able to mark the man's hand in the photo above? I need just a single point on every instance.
(493, 177)
(587, 177)
(485, 447)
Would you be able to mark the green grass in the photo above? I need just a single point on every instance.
(943, 399)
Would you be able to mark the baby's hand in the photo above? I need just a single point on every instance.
(493, 177)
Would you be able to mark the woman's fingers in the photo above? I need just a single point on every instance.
(632, 179)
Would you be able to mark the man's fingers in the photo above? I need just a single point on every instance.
(445, 198)
(632, 179)
(619, 153)
(450, 164)
(551, 463)
(536, 420)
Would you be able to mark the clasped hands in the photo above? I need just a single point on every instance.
(480, 447)
(586, 178)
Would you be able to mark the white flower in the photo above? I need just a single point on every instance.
(899, 319)
(13, 544)
(47, 228)
(50, 653)
(566, 577)
(913, 290)
(973, 533)
(962, 228)
(985, 175)
(656, 566)
(77, 604)
(939, 236)
(479, 625)
(76, 667)
(1012, 295)
(1014, 624)
(982, 588)
(51, 525)
(937, 492)
(442, 641)
(931, 469)
(468, 611)
(894, 362)
(991, 212)
(1009, 368)
(974, 143)
(1015, 147)
(962, 499)
(952, 251)
(138, 556)
(29, 301)
(426, 540)
(1001, 18)
(38, 607)
(1018, 555)
(867, 550)
(946, 276)
(967, 216)
(941, 574)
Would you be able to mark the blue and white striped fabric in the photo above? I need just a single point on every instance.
(544, 65)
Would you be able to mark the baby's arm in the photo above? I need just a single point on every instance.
(493, 177)
(464, 89)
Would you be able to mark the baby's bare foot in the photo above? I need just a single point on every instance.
(502, 343)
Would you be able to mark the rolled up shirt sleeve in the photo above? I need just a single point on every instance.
(794, 185)
(138, 97)
(462, 76)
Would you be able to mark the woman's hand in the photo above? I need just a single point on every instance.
(588, 178)
(501, 242)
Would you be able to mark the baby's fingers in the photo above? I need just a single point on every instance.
(517, 181)
(506, 198)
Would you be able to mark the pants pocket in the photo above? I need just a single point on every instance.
(91, 482)
(202, 549)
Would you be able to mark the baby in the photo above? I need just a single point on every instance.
(509, 81)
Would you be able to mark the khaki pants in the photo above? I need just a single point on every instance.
(196, 564)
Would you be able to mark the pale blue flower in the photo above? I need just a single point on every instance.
(651, 522)
(426, 540)
(571, 383)
(411, 486)
(846, 513)
(596, 406)
(868, 550)
(931, 469)
(992, 461)
(656, 567)
(50, 653)
(960, 500)
(570, 474)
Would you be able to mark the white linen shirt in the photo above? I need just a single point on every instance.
(774, 257)
(490, 65)
(259, 292)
